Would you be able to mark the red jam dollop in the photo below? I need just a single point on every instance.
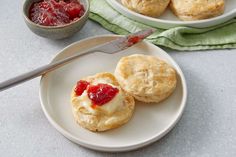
(101, 93)
(55, 12)
(133, 40)
(81, 87)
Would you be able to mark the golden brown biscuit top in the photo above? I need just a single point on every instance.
(195, 7)
(145, 75)
(147, 7)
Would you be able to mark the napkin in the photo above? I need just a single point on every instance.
(179, 38)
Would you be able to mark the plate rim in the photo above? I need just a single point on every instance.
(124, 147)
(117, 6)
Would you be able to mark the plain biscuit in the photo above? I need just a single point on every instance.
(197, 9)
(146, 78)
(152, 8)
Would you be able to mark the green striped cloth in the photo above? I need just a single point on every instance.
(179, 38)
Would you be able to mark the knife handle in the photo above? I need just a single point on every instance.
(39, 71)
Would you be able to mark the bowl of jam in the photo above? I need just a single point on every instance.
(55, 19)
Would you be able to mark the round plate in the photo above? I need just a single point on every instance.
(150, 121)
(169, 20)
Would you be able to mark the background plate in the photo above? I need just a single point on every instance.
(169, 20)
(150, 121)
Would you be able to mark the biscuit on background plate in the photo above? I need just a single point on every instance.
(146, 78)
(112, 114)
(197, 9)
(152, 8)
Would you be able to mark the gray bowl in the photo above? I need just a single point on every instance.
(55, 32)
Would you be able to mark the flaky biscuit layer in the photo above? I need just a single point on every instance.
(146, 78)
(152, 8)
(197, 9)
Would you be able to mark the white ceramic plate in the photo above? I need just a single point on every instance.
(168, 19)
(150, 121)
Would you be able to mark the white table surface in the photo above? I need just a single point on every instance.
(207, 128)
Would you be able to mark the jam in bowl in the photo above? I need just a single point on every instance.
(55, 13)
(55, 19)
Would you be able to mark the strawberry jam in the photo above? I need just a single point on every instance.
(81, 87)
(55, 12)
(100, 94)
(134, 39)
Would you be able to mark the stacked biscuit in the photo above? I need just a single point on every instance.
(184, 9)
(145, 78)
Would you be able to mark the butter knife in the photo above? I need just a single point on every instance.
(111, 47)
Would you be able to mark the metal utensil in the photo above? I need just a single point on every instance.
(109, 48)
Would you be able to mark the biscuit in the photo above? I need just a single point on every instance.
(152, 8)
(197, 9)
(146, 78)
(104, 117)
